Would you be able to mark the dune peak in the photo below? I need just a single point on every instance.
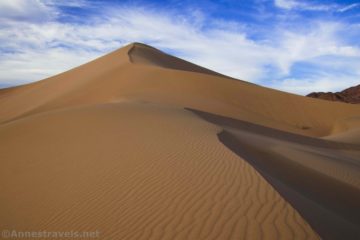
(140, 53)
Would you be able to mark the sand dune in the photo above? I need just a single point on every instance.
(142, 145)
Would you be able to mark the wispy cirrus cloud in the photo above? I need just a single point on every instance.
(348, 7)
(308, 5)
(302, 5)
(274, 57)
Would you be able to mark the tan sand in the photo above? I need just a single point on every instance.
(112, 146)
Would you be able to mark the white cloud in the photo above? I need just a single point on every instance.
(313, 6)
(29, 66)
(286, 4)
(349, 7)
(321, 83)
(35, 50)
(27, 10)
(66, 3)
(303, 5)
(322, 39)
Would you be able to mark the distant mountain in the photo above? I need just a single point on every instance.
(349, 95)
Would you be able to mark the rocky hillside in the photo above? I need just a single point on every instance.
(349, 95)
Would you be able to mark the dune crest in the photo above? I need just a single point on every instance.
(144, 54)
(139, 144)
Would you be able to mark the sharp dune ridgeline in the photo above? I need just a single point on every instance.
(139, 144)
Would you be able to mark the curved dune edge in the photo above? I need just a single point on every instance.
(143, 54)
(318, 177)
(346, 130)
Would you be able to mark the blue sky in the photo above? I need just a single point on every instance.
(291, 45)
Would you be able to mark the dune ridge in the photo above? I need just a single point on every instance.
(139, 144)
(114, 77)
(143, 54)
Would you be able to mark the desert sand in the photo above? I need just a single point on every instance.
(139, 144)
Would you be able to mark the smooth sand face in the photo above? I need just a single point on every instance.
(112, 146)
